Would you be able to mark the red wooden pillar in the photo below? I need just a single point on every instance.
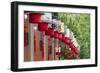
(56, 45)
(43, 27)
(60, 36)
(50, 43)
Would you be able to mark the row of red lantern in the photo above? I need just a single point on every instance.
(62, 38)
(43, 27)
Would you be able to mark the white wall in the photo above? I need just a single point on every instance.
(5, 17)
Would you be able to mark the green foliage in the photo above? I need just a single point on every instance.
(62, 45)
(79, 24)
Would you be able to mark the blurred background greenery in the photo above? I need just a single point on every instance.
(79, 24)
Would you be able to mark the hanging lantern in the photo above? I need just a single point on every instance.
(43, 26)
(67, 41)
(35, 17)
(60, 36)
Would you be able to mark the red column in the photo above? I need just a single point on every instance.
(43, 27)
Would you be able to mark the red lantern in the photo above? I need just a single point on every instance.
(60, 35)
(73, 48)
(43, 26)
(62, 39)
(48, 32)
(51, 32)
(67, 41)
(55, 34)
(35, 17)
